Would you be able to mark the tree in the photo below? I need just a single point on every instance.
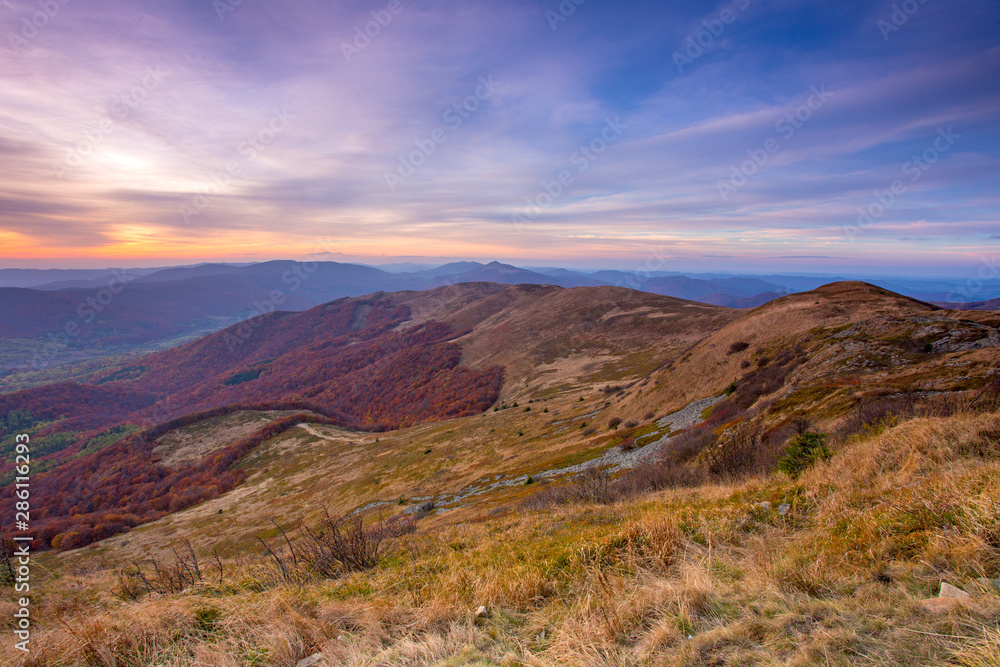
(802, 451)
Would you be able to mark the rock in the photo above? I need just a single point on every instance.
(989, 585)
(942, 605)
(952, 592)
(784, 508)
(341, 638)
(766, 505)
(312, 661)
(541, 636)
(483, 613)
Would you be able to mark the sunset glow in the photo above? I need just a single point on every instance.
(182, 133)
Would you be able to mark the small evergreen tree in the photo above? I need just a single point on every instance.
(802, 451)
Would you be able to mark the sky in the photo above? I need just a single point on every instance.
(755, 135)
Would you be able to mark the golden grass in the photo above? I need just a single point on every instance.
(699, 576)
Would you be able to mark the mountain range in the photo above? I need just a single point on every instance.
(53, 317)
(506, 456)
(391, 360)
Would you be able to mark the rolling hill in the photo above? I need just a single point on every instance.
(380, 362)
(392, 360)
(136, 312)
(618, 490)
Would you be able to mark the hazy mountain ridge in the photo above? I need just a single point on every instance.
(121, 308)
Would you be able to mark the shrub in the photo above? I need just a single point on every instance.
(802, 451)
(627, 441)
(736, 452)
(738, 346)
(627, 445)
(654, 476)
(614, 423)
(341, 545)
(687, 445)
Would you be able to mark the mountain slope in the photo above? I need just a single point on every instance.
(343, 361)
(594, 527)
(841, 330)
(142, 311)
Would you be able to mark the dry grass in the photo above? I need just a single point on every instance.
(698, 576)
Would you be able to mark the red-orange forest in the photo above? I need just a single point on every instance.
(343, 363)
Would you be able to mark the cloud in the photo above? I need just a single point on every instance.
(95, 156)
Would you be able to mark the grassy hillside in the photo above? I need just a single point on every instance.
(706, 575)
(658, 483)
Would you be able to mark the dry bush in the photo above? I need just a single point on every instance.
(334, 547)
(590, 486)
(686, 446)
(874, 411)
(596, 486)
(736, 452)
(626, 438)
(340, 545)
(175, 576)
(656, 476)
(737, 347)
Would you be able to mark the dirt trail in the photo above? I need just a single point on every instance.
(311, 430)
